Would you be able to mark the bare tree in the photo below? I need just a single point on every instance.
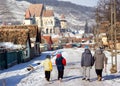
(104, 9)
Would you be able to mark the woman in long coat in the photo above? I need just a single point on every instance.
(100, 63)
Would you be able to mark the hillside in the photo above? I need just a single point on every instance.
(5, 13)
(12, 11)
(76, 15)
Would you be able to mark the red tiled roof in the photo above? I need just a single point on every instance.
(36, 9)
(48, 39)
(48, 13)
(28, 14)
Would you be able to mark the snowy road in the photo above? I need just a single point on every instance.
(72, 73)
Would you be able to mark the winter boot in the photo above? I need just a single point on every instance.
(99, 78)
(60, 79)
(88, 80)
(83, 78)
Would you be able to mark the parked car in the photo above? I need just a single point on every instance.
(78, 45)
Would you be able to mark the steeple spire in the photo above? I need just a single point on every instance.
(86, 27)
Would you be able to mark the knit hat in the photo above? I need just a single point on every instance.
(58, 55)
(86, 47)
(48, 56)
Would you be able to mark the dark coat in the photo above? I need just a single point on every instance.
(87, 60)
(59, 64)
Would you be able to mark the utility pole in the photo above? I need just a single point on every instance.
(115, 33)
(113, 37)
(97, 28)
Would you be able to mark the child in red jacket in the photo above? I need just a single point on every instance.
(60, 63)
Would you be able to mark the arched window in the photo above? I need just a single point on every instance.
(50, 30)
(46, 31)
(37, 22)
(51, 22)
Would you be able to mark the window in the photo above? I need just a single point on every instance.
(46, 31)
(50, 30)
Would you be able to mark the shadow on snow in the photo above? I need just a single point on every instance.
(69, 78)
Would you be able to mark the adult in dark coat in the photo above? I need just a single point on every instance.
(100, 63)
(87, 62)
(60, 63)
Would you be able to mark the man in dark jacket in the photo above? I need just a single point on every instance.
(60, 63)
(87, 62)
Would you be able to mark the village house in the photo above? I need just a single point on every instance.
(105, 35)
(45, 19)
(46, 42)
(27, 36)
(33, 14)
(63, 23)
(38, 14)
(48, 21)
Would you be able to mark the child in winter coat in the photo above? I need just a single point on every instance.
(47, 67)
(60, 63)
(87, 62)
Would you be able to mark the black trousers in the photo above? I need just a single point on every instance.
(47, 75)
(60, 74)
(99, 72)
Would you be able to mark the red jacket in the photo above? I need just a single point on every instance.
(63, 59)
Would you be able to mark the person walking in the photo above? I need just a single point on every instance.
(60, 63)
(47, 64)
(87, 62)
(100, 63)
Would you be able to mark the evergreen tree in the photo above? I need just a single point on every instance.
(86, 27)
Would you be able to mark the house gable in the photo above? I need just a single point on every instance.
(28, 14)
(36, 9)
(48, 13)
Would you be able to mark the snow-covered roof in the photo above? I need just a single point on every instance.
(10, 45)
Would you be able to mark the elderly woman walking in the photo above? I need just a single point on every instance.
(100, 63)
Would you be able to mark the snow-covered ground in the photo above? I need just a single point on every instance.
(19, 76)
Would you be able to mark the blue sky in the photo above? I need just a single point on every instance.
(84, 2)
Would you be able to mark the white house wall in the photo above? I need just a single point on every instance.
(64, 25)
(38, 21)
(48, 23)
(28, 22)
